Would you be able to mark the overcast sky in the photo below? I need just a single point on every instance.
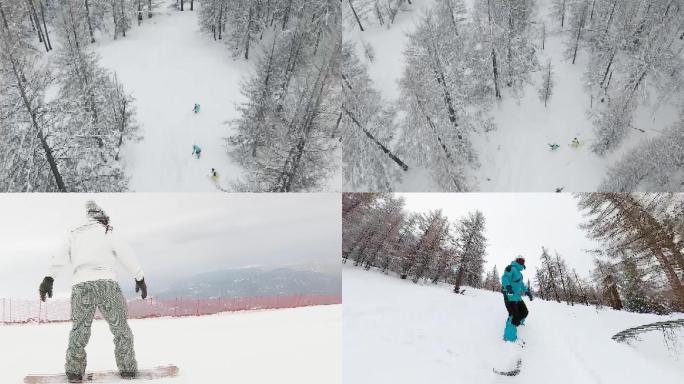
(518, 224)
(174, 235)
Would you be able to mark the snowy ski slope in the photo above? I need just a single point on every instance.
(516, 157)
(168, 65)
(398, 332)
(244, 347)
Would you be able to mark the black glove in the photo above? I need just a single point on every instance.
(46, 288)
(529, 294)
(509, 290)
(141, 286)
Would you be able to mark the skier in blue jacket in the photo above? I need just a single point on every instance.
(513, 288)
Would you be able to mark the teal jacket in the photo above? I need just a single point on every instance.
(513, 276)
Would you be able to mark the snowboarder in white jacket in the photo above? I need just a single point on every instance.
(91, 252)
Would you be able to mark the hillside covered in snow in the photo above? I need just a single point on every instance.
(150, 96)
(399, 332)
(224, 347)
(525, 95)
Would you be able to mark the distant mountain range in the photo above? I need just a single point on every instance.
(256, 281)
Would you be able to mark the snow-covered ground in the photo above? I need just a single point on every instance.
(297, 346)
(516, 156)
(168, 65)
(398, 332)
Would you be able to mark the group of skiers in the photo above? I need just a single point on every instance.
(574, 144)
(197, 151)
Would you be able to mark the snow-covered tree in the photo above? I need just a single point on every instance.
(654, 165)
(283, 136)
(633, 46)
(366, 129)
(360, 13)
(505, 28)
(546, 89)
(442, 106)
(29, 161)
(471, 248)
(633, 226)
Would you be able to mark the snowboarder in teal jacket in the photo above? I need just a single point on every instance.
(513, 287)
(196, 150)
(196, 108)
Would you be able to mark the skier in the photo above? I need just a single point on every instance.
(91, 252)
(196, 108)
(196, 150)
(214, 175)
(513, 288)
(574, 143)
(559, 189)
(554, 146)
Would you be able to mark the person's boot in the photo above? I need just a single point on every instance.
(74, 377)
(128, 375)
(511, 331)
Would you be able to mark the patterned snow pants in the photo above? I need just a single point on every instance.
(106, 296)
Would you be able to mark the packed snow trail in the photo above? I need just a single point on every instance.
(399, 332)
(299, 345)
(168, 65)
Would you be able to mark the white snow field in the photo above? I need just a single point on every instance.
(399, 332)
(516, 156)
(301, 345)
(168, 65)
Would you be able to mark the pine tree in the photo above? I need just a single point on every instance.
(653, 165)
(365, 125)
(546, 89)
(440, 104)
(471, 250)
(24, 82)
(630, 224)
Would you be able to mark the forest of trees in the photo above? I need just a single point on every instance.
(71, 141)
(286, 135)
(458, 62)
(378, 232)
(640, 264)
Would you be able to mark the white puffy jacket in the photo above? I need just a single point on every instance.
(92, 254)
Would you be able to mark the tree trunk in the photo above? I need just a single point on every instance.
(122, 129)
(579, 34)
(90, 22)
(249, 32)
(181, 4)
(123, 18)
(116, 24)
(495, 69)
(286, 17)
(149, 9)
(356, 16)
(39, 28)
(140, 16)
(42, 16)
(220, 20)
(384, 149)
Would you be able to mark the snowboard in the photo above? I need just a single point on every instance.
(512, 372)
(105, 376)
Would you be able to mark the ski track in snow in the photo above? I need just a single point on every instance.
(516, 156)
(168, 64)
(399, 332)
(240, 347)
